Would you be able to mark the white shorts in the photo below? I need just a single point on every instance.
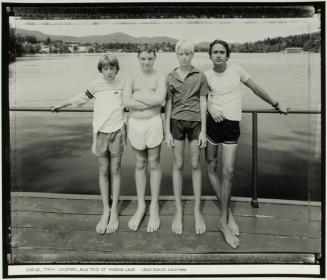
(145, 133)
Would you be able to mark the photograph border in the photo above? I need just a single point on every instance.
(11, 8)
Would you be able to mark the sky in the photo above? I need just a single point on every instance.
(199, 30)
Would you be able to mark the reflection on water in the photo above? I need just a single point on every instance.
(51, 152)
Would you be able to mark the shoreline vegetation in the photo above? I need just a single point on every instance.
(23, 42)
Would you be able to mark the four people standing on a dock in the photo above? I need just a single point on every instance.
(188, 91)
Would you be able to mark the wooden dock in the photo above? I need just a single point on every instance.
(51, 228)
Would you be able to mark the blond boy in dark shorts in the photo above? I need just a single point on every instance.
(186, 109)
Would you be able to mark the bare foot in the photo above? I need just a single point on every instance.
(177, 225)
(154, 220)
(200, 226)
(232, 225)
(102, 224)
(230, 238)
(135, 221)
(113, 222)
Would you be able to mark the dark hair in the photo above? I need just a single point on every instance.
(146, 48)
(221, 42)
(108, 59)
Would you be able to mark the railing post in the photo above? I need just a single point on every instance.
(254, 201)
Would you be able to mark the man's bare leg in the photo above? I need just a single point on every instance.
(140, 181)
(200, 226)
(155, 182)
(177, 225)
(113, 224)
(104, 190)
(211, 158)
(228, 161)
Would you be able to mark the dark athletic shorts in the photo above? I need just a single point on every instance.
(221, 132)
(180, 128)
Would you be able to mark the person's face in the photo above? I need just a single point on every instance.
(218, 55)
(147, 60)
(109, 72)
(184, 57)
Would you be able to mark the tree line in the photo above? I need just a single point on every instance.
(309, 42)
(19, 46)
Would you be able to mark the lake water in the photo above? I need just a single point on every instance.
(51, 152)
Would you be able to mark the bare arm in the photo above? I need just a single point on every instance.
(265, 96)
(128, 101)
(203, 132)
(203, 110)
(168, 137)
(55, 108)
(155, 99)
(168, 114)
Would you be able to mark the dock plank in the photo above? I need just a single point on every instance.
(159, 242)
(79, 222)
(63, 230)
(166, 207)
(314, 213)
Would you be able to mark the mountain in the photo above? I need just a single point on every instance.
(41, 36)
(108, 38)
(203, 45)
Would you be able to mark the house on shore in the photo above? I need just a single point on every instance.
(294, 50)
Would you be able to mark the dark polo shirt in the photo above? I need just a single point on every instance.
(185, 95)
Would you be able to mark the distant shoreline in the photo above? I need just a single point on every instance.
(96, 54)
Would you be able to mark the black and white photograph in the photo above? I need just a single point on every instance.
(170, 139)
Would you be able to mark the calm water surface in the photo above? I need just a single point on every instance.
(51, 152)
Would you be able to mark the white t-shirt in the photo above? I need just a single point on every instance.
(108, 115)
(225, 90)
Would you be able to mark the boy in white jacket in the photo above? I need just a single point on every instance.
(108, 134)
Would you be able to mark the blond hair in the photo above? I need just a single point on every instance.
(185, 45)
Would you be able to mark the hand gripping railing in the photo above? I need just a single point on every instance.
(253, 112)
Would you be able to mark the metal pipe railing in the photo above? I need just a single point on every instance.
(253, 112)
(254, 201)
(249, 110)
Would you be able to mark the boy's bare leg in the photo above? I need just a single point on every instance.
(200, 226)
(155, 181)
(177, 225)
(140, 181)
(104, 190)
(115, 186)
(228, 161)
(211, 158)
